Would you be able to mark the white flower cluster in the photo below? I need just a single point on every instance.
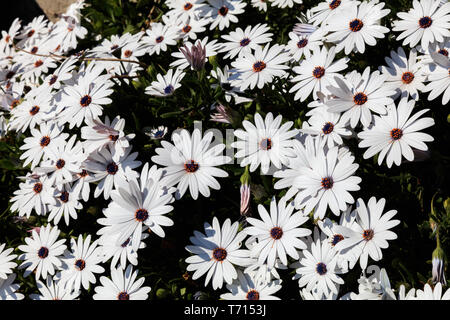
(46, 94)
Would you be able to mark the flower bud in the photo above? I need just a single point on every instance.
(245, 192)
(438, 265)
(196, 55)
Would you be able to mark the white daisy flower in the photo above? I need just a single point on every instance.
(6, 263)
(9, 36)
(240, 41)
(191, 163)
(357, 95)
(370, 232)
(110, 133)
(53, 290)
(439, 81)
(326, 10)
(328, 125)
(316, 73)
(111, 170)
(278, 234)
(43, 252)
(257, 69)
(426, 22)
(318, 269)
(43, 142)
(165, 85)
(217, 252)
(81, 264)
(64, 163)
(191, 27)
(67, 204)
(357, 25)
(432, 294)
(8, 289)
(33, 31)
(184, 10)
(260, 4)
(123, 285)
(267, 143)
(395, 134)
(35, 193)
(159, 37)
(156, 133)
(247, 287)
(303, 45)
(405, 75)
(284, 3)
(137, 204)
(222, 12)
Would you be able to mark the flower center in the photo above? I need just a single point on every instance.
(368, 234)
(159, 134)
(10, 74)
(14, 103)
(43, 252)
(396, 133)
(7, 38)
(302, 43)
(407, 77)
(159, 39)
(266, 144)
(328, 128)
(85, 101)
(53, 79)
(334, 4)
(444, 52)
(276, 233)
(80, 264)
(30, 33)
(244, 42)
(425, 22)
(113, 137)
(60, 163)
(318, 72)
(187, 6)
(64, 197)
(83, 173)
(128, 53)
(360, 98)
(327, 183)
(34, 49)
(223, 11)
(44, 141)
(219, 254)
(38, 63)
(37, 188)
(252, 295)
(336, 238)
(169, 89)
(191, 166)
(259, 66)
(141, 215)
(186, 28)
(356, 25)
(112, 168)
(34, 110)
(321, 268)
(123, 296)
(114, 47)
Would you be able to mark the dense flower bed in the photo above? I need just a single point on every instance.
(226, 149)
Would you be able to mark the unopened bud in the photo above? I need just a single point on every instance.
(438, 266)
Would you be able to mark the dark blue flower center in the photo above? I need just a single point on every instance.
(328, 128)
(253, 295)
(113, 137)
(191, 166)
(276, 233)
(34, 110)
(45, 141)
(259, 66)
(85, 101)
(444, 52)
(186, 28)
(334, 4)
(425, 22)
(244, 42)
(159, 39)
(336, 238)
(321, 268)
(223, 11)
(80, 264)
(53, 79)
(356, 25)
(168, 89)
(360, 98)
(83, 173)
(64, 197)
(141, 215)
(266, 144)
(34, 49)
(327, 183)
(43, 252)
(368, 234)
(123, 296)
(37, 188)
(187, 6)
(112, 168)
(302, 43)
(60, 163)
(159, 134)
(396, 133)
(407, 77)
(219, 254)
(318, 72)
